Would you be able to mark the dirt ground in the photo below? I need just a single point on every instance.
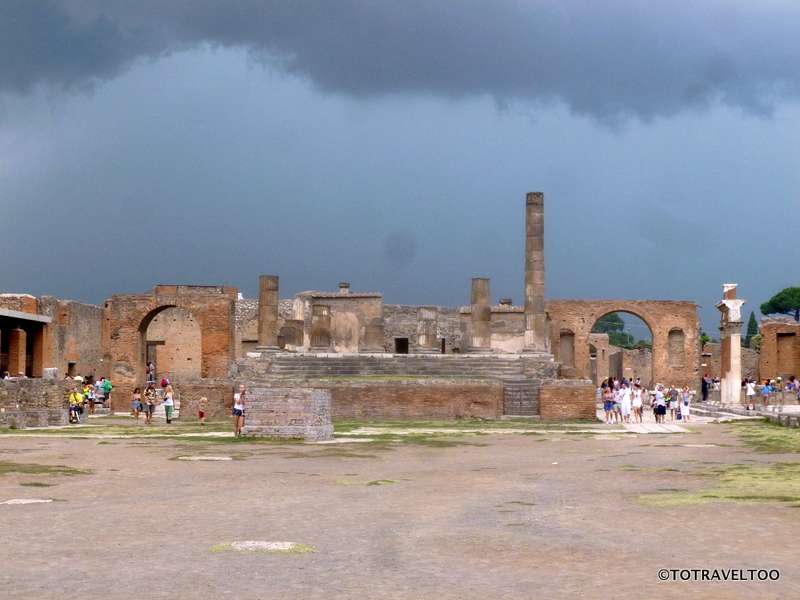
(552, 515)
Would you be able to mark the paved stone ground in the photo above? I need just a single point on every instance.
(519, 516)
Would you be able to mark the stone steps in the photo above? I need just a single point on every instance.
(521, 388)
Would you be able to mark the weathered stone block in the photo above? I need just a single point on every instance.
(288, 413)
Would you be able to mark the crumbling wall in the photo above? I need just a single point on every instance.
(75, 336)
(400, 321)
(780, 348)
(568, 399)
(34, 402)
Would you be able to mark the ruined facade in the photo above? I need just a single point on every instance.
(421, 360)
(780, 348)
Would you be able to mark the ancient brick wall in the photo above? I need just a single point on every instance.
(669, 322)
(710, 361)
(567, 399)
(178, 353)
(219, 393)
(75, 336)
(19, 302)
(780, 348)
(416, 399)
(33, 403)
(288, 412)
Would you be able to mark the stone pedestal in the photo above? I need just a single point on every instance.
(292, 413)
(731, 346)
(268, 313)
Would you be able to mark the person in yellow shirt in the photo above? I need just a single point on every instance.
(75, 406)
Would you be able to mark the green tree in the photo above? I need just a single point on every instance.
(752, 329)
(704, 338)
(609, 323)
(785, 302)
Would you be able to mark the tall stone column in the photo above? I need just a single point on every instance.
(730, 329)
(536, 338)
(268, 313)
(17, 343)
(480, 301)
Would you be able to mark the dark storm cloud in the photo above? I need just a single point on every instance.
(607, 59)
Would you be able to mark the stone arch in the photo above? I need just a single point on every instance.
(172, 338)
(659, 315)
(128, 316)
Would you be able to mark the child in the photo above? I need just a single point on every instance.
(201, 410)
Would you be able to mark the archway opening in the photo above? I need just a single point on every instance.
(172, 341)
(621, 347)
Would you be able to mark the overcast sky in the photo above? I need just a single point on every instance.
(391, 144)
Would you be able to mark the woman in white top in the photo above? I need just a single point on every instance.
(169, 402)
(625, 403)
(238, 410)
(750, 392)
(638, 401)
(685, 401)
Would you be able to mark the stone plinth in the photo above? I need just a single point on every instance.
(293, 413)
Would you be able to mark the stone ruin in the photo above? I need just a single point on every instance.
(479, 360)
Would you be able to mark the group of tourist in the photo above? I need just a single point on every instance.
(624, 401)
(144, 403)
(87, 394)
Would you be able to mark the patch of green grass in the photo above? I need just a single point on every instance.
(521, 503)
(765, 436)
(775, 483)
(36, 469)
(381, 482)
(38, 484)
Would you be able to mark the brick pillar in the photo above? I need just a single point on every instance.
(536, 338)
(480, 300)
(730, 329)
(17, 342)
(268, 313)
(41, 350)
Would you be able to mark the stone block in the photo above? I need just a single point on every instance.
(291, 413)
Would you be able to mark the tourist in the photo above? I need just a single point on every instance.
(136, 403)
(75, 405)
(637, 402)
(151, 372)
(6, 376)
(766, 391)
(792, 385)
(107, 387)
(625, 403)
(169, 403)
(608, 404)
(684, 403)
(750, 393)
(202, 407)
(672, 402)
(617, 401)
(704, 387)
(660, 404)
(99, 394)
(149, 403)
(88, 396)
(238, 410)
